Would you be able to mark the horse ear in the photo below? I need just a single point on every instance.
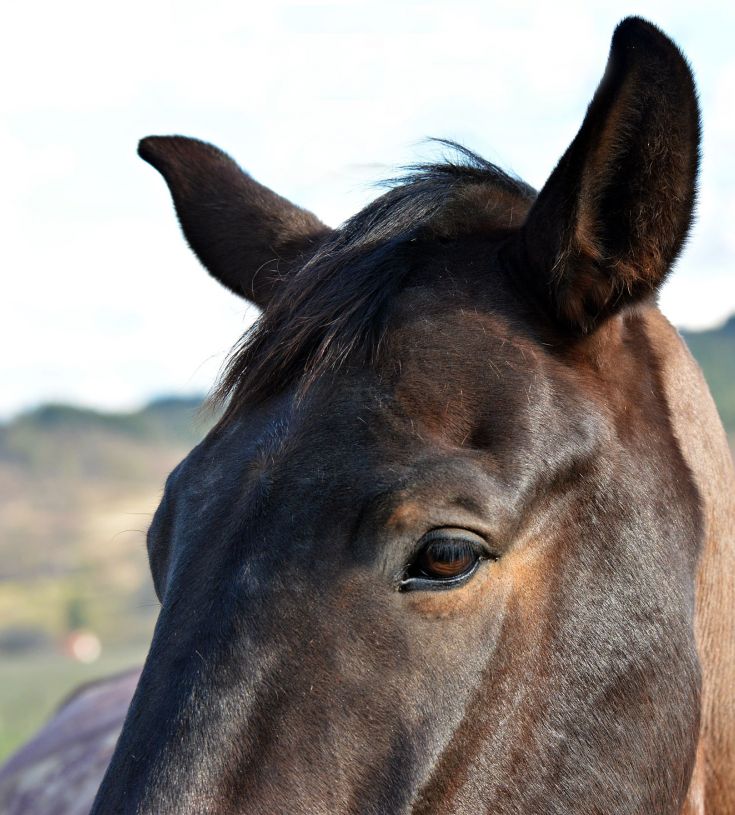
(245, 235)
(615, 212)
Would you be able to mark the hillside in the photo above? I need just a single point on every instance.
(78, 488)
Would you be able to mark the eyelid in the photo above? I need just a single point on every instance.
(478, 541)
(449, 532)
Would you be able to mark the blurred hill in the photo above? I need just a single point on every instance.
(78, 489)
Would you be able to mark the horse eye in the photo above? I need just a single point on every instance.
(447, 558)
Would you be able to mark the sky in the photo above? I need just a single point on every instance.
(104, 305)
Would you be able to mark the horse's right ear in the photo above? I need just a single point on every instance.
(246, 236)
(615, 212)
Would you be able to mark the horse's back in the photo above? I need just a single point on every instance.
(58, 772)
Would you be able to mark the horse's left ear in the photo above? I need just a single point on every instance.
(244, 234)
(615, 212)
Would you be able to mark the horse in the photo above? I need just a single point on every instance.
(463, 539)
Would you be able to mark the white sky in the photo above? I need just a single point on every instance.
(103, 304)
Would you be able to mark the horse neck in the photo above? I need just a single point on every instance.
(704, 446)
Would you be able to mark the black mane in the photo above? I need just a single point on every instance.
(330, 309)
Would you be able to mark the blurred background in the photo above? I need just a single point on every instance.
(111, 333)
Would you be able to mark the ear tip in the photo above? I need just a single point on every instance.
(633, 30)
(638, 44)
(169, 152)
(148, 143)
(636, 33)
(152, 149)
(155, 149)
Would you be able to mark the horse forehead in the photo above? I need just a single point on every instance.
(446, 374)
(458, 363)
(468, 366)
(461, 335)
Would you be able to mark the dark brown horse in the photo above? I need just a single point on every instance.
(464, 539)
